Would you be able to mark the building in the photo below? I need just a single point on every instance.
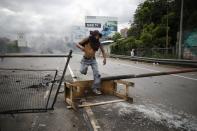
(123, 32)
(22, 42)
(106, 25)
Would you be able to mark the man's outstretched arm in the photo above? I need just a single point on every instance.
(81, 44)
(104, 54)
(80, 47)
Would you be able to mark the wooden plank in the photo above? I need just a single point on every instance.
(80, 87)
(73, 86)
(68, 101)
(127, 91)
(125, 82)
(107, 87)
(121, 96)
(92, 118)
(98, 103)
(126, 98)
(71, 104)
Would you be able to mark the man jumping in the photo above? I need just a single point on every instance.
(89, 46)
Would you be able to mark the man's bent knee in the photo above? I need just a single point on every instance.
(84, 71)
(97, 76)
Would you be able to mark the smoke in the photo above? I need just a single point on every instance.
(46, 23)
(48, 44)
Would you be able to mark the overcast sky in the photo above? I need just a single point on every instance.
(55, 16)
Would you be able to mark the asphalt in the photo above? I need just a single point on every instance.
(160, 103)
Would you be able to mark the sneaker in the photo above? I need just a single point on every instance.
(96, 91)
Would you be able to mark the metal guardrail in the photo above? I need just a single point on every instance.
(192, 63)
(32, 55)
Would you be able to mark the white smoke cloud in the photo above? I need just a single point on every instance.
(53, 17)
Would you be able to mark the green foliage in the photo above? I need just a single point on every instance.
(133, 31)
(139, 43)
(123, 47)
(6, 45)
(151, 18)
(146, 38)
(159, 42)
(192, 20)
(159, 31)
(154, 21)
(116, 36)
(13, 47)
(190, 14)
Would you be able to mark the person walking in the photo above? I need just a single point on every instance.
(89, 46)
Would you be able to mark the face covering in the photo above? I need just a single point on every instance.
(94, 43)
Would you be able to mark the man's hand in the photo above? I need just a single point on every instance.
(80, 47)
(104, 61)
(104, 55)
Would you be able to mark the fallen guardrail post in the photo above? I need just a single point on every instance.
(130, 76)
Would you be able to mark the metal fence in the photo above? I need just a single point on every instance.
(156, 52)
(29, 90)
(151, 52)
(26, 90)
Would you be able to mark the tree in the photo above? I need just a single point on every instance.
(154, 20)
(116, 36)
(133, 31)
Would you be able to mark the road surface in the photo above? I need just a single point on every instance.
(160, 103)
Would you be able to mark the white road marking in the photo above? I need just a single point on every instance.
(159, 71)
(71, 72)
(72, 75)
(186, 77)
(46, 94)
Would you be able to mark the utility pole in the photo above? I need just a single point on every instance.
(167, 29)
(181, 31)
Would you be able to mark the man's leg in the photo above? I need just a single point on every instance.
(84, 67)
(97, 76)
